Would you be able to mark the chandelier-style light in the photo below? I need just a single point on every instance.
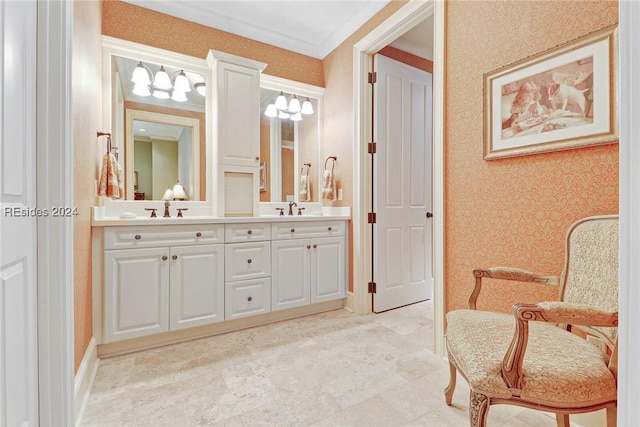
(162, 85)
(291, 109)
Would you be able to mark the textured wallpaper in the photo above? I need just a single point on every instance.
(513, 212)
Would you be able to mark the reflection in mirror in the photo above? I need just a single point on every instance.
(163, 154)
(173, 115)
(289, 144)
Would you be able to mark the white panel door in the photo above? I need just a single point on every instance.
(290, 272)
(196, 295)
(238, 103)
(327, 269)
(136, 293)
(402, 184)
(18, 248)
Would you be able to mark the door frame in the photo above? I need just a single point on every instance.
(404, 19)
(54, 184)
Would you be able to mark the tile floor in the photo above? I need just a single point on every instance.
(330, 369)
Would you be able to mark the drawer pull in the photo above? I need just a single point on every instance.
(315, 246)
(249, 299)
(293, 230)
(249, 232)
(174, 257)
(249, 261)
(198, 234)
(329, 228)
(308, 247)
(138, 237)
(164, 257)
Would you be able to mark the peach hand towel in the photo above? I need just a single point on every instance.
(111, 178)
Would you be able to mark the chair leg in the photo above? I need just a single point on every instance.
(612, 416)
(448, 392)
(562, 420)
(478, 409)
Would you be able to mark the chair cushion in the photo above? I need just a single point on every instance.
(560, 369)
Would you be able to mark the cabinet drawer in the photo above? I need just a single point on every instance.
(247, 232)
(247, 260)
(158, 235)
(292, 230)
(247, 298)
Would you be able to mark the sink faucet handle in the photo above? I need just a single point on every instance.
(153, 212)
(300, 211)
(180, 211)
(281, 211)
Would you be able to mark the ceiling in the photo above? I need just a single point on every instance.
(310, 27)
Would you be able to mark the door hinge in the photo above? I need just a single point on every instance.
(372, 147)
(371, 217)
(372, 287)
(373, 77)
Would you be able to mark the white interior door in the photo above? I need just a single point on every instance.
(18, 281)
(402, 264)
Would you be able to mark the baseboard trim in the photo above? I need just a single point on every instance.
(83, 381)
(152, 341)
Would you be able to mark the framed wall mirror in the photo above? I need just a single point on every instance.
(290, 141)
(160, 131)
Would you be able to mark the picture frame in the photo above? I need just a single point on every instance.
(559, 99)
(263, 177)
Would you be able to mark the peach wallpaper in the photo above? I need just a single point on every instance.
(133, 23)
(87, 155)
(514, 211)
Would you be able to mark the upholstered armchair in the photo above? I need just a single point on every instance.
(556, 356)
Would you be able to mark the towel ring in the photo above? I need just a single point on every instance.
(333, 165)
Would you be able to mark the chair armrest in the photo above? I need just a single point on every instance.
(506, 273)
(548, 311)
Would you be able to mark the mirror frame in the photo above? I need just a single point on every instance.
(302, 90)
(111, 47)
(149, 116)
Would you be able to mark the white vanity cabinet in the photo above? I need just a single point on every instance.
(162, 278)
(247, 269)
(308, 263)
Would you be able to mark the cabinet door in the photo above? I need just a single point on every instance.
(247, 298)
(238, 128)
(197, 285)
(247, 260)
(327, 269)
(290, 273)
(136, 293)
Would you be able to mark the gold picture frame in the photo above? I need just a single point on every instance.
(559, 99)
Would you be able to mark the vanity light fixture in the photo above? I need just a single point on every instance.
(201, 88)
(288, 110)
(163, 85)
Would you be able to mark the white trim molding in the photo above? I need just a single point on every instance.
(54, 160)
(414, 12)
(629, 108)
(84, 379)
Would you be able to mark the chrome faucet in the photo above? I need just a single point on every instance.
(291, 206)
(166, 210)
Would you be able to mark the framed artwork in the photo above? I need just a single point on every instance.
(263, 176)
(559, 99)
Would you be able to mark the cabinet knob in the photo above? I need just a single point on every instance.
(174, 257)
(249, 261)
(164, 257)
(138, 237)
(329, 228)
(315, 246)
(257, 158)
(308, 247)
(249, 299)
(249, 232)
(293, 230)
(198, 234)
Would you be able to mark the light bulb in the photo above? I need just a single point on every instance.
(294, 105)
(296, 117)
(281, 101)
(271, 110)
(182, 83)
(178, 96)
(201, 88)
(141, 89)
(161, 94)
(140, 75)
(283, 115)
(161, 80)
(307, 107)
